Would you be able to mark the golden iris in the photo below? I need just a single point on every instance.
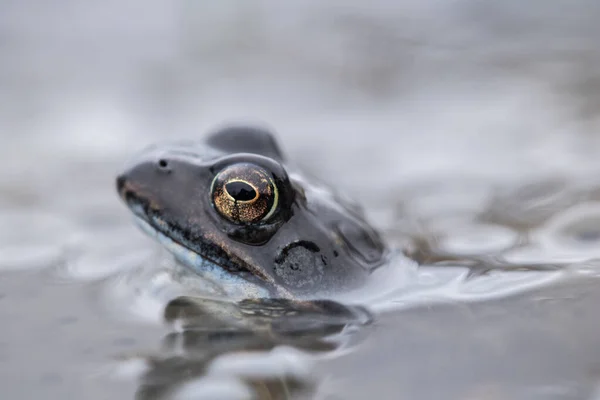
(244, 193)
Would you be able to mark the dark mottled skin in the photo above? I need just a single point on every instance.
(313, 243)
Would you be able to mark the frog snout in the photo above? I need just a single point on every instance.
(121, 181)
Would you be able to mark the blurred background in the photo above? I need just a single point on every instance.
(389, 90)
(462, 126)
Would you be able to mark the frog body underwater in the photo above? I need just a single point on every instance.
(229, 209)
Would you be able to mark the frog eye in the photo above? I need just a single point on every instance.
(244, 193)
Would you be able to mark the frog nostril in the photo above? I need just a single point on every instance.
(120, 183)
(163, 164)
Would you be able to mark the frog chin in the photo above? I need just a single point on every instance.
(232, 285)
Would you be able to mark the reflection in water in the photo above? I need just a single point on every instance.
(255, 349)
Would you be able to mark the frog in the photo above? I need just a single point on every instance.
(231, 209)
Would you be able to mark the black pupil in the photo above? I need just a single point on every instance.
(240, 191)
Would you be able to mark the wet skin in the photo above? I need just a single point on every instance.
(229, 209)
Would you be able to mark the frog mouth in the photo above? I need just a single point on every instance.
(232, 284)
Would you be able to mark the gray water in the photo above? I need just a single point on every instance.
(467, 130)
